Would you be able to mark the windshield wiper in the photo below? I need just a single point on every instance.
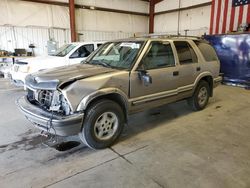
(102, 64)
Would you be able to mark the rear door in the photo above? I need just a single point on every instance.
(189, 66)
(159, 63)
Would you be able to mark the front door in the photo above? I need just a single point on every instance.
(159, 64)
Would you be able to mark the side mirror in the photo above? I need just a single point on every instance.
(145, 77)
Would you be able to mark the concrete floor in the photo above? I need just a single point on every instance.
(165, 147)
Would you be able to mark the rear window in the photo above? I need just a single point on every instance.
(207, 51)
(185, 52)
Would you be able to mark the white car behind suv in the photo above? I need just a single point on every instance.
(68, 54)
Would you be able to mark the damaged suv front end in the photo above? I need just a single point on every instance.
(54, 96)
(47, 108)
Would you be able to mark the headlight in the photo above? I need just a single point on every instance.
(24, 69)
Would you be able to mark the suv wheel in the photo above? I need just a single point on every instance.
(200, 97)
(103, 124)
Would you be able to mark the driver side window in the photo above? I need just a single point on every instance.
(159, 55)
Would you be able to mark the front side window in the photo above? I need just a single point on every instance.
(185, 52)
(207, 51)
(159, 55)
(120, 55)
(64, 50)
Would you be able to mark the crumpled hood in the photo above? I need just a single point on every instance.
(51, 79)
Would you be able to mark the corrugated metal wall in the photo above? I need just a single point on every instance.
(12, 37)
(102, 36)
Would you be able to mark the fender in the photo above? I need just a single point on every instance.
(102, 92)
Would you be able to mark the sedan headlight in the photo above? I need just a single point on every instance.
(24, 69)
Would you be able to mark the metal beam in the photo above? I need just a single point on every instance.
(87, 7)
(152, 4)
(151, 16)
(184, 8)
(72, 20)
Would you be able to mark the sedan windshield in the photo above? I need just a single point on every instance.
(64, 50)
(118, 55)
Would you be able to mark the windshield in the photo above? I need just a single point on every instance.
(64, 50)
(119, 55)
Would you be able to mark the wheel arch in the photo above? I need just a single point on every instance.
(208, 78)
(113, 94)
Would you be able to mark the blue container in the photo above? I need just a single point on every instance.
(234, 53)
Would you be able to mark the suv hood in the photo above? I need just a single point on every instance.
(54, 78)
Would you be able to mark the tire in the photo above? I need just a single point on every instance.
(200, 97)
(103, 124)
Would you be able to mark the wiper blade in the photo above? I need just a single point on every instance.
(103, 64)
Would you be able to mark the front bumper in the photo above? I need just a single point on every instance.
(56, 124)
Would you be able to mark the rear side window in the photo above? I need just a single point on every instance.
(185, 52)
(207, 51)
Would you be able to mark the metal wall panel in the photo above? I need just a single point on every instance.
(12, 37)
(102, 36)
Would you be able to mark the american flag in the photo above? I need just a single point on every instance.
(227, 15)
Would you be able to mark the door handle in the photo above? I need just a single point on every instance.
(198, 68)
(175, 73)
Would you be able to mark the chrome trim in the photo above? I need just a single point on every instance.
(161, 95)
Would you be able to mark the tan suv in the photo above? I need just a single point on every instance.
(122, 77)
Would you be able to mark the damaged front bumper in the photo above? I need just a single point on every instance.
(53, 124)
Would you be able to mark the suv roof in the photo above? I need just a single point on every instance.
(154, 36)
(88, 42)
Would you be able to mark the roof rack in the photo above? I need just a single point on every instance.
(166, 36)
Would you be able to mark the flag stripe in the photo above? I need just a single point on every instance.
(225, 17)
(215, 15)
(229, 15)
(212, 18)
(236, 18)
(240, 15)
(232, 19)
(218, 16)
(221, 16)
(244, 17)
(248, 14)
